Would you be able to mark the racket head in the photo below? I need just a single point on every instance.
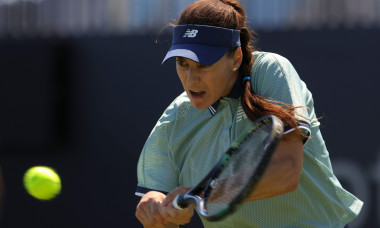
(238, 172)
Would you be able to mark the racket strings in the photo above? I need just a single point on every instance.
(237, 171)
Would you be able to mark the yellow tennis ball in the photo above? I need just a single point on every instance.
(42, 182)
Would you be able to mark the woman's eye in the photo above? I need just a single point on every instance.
(181, 62)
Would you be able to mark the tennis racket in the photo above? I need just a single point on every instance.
(237, 173)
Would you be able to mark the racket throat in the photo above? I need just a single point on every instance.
(182, 201)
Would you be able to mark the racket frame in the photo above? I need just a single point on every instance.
(199, 193)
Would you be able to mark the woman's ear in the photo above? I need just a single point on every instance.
(238, 57)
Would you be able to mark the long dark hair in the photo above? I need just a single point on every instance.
(230, 14)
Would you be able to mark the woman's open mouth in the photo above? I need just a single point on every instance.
(197, 94)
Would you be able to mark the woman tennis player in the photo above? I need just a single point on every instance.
(228, 85)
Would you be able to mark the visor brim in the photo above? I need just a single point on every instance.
(203, 54)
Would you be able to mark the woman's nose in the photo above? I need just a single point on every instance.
(192, 75)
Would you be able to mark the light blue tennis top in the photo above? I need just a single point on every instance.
(186, 143)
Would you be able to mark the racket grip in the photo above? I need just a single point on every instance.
(180, 202)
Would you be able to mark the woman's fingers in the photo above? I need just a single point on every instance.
(170, 197)
(179, 216)
(148, 210)
(172, 214)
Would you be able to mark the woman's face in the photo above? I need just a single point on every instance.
(206, 84)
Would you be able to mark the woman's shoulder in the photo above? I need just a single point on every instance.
(178, 103)
(179, 113)
(180, 108)
(271, 66)
(269, 58)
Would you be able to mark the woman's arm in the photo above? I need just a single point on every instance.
(281, 176)
(171, 225)
(284, 170)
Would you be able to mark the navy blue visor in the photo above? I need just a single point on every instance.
(202, 43)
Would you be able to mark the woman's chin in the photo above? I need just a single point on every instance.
(200, 106)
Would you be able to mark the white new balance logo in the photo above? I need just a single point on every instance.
(190, 33)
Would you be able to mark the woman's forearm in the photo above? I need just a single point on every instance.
(283, 173)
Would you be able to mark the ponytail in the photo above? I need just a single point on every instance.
(254, 105)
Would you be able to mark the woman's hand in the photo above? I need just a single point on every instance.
(155, 210)
(174, 215)
(148, 210)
